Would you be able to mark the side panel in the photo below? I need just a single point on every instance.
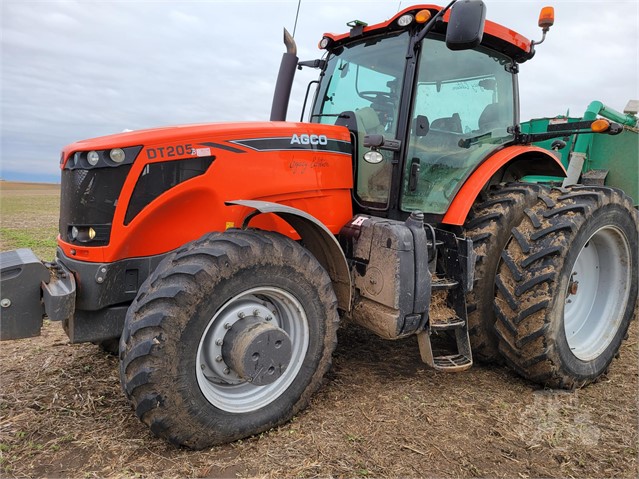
(508, 164)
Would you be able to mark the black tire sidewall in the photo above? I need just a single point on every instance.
(609, 215)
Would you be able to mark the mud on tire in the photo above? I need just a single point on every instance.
(567, 286)
(489, 225)
(170, 370)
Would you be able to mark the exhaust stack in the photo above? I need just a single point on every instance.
(285, 78)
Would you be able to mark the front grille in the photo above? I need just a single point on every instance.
(88, 199)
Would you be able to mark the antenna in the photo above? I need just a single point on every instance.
(399, 5)
(299, 3)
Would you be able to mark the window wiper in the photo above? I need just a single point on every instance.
(483, 138)
(473, 140)
(336, 115)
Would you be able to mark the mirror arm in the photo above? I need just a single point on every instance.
(431, 23)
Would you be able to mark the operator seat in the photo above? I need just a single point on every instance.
(490, 118)
(368, 122)
(449, 123)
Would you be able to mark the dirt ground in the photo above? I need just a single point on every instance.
(382, 413)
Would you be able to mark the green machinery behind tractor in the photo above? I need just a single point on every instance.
(595, 159)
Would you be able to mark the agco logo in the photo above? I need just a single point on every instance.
(305, 139)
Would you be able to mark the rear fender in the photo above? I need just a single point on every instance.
(510, 164)
(317, 239)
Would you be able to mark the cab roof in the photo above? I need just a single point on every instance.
(496, 36)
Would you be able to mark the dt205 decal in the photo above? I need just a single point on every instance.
(169, 151)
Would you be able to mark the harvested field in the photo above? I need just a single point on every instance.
(381, 413)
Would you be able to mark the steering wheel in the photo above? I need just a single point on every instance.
(373, 96)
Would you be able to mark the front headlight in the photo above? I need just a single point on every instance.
(113, 157)
(117, 155)
(93, 158)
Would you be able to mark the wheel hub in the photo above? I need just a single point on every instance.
(257, 351)
(251, 322)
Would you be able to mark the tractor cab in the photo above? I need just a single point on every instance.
(425, 103)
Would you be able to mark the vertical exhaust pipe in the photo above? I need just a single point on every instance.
(285, 78)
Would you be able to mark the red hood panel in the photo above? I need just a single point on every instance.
(203, 132)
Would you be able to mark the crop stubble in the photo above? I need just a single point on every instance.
(381, 413)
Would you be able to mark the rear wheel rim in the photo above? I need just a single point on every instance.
(597, 293)
(221, 386)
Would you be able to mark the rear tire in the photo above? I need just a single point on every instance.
(489, 225)
(567, 286)
(183, 370)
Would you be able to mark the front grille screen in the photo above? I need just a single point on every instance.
(89, 197)
(156, 178)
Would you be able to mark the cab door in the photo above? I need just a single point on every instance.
(462, 109)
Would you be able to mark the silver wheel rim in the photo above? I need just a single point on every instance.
(221, 386)
(597, 293)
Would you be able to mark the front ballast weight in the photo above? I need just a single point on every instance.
(30, 290)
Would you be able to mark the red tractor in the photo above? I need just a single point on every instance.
(222, 257)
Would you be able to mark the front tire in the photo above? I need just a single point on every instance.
(567, 286)
(229, 337)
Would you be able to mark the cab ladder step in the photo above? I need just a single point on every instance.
(448, 361)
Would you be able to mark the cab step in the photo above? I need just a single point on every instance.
(443, 283)
(452, 323)
(448, 361)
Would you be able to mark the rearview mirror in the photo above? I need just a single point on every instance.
(466, 25)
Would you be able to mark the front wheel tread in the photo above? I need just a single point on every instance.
(158, 333)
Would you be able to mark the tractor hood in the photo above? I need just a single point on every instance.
(176, 142)
(144, 193)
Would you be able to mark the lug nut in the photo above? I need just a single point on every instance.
(256, 312)
(227, 370)
(219, 359)
(218, 342)
(241, 315)
(573, 287)
(5, 303)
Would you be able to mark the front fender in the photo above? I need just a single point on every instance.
(509, 164)
(317, 238)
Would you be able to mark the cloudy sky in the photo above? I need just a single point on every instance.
(79, 69)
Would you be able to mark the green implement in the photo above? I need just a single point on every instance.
(589, 158)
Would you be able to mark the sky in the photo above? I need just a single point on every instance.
(72, 70)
